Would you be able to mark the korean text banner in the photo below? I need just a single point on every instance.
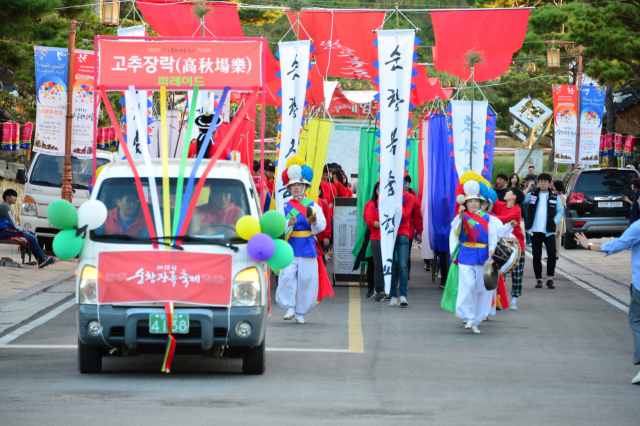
(180, 64)
(565, 120)
(294, 74)
(395, 65)
(591, 115)
(52, 67)
(164, 276)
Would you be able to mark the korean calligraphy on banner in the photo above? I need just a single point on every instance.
(162, 276)
(565, 120)
(591, 115)
(180, 65)
(466, 155)
(294, 71)
(52, 69)
(395, 65)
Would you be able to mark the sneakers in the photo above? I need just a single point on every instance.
(47, 261)
(386, 296)
(394, 302)
(403, 302)
(379, 297)
(290, 314)
(539, 284)
(475, 330)
(468, 325)
(513, 304)
(370, 293)
(300, 319)
(550, 284)
(636, 380)
(442, 286)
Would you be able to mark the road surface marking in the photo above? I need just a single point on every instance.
(356, 343)
(268, 349)
(33, 324)
(589, 288)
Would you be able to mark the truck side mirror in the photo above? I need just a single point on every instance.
(21, 176)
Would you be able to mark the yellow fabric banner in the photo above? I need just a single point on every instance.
(316, 145)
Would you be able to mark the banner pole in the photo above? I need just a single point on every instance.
(67, 190)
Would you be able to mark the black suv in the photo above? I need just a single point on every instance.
(594, 203)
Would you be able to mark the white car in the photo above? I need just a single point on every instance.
(44, 185)
(111, 324)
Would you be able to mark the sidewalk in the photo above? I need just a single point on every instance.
(17, 280)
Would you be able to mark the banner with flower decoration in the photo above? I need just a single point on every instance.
(565, 120)
(591, 115)
(52, 68)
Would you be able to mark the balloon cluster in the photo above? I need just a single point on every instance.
(61, 214)
(264, 244)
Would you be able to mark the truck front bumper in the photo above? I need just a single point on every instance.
(129, 326)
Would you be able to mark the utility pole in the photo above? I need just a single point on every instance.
(578, 53)
(67, 190)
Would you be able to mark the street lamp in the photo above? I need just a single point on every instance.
(109, 13)
(553, 57)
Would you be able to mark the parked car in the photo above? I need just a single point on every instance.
(130, 324)
(44, 184)
(594, 203)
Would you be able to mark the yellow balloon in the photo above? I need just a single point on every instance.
(247, 227)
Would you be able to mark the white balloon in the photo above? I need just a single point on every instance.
(93, 213)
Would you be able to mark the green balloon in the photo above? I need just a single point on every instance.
(273, 224)
(282, 257)
(66, 245)
(62, 214)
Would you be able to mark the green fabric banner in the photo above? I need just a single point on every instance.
(368, 175)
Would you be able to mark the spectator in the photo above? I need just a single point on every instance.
(514, 181)
(9, 229)
(125, 218)
(407, 187)
(629, 239)
(558, 187)
(325, 236)
(501, 185)
(514, 199)
(528, 186)
(372, 219)
(543, 215)
(532, 175)
(411, 222)
(635, 208)
(267, 198)
(341, 189)
(270, 172)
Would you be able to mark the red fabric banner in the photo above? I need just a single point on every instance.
(427, 88)
(343, 41)
(164, 275)
(498, 34)
(172, 18)
(180, 65)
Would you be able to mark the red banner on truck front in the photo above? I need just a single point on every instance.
(164, 276)
(180, 65)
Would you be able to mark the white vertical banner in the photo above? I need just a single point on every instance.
(461, 121)
(133, 137)
(427, 252)
(395, 64)
(294, 72)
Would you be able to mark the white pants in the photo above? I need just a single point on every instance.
(474, 301)
(298, 285)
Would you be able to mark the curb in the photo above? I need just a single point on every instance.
(37, 288)
(607, 275)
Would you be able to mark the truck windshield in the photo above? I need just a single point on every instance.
(47, 171)
(221, 203)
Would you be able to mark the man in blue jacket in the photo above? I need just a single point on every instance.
(544, 213)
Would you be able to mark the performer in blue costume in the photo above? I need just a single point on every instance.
(299, 282)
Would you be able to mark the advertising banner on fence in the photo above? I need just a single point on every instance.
(180, 65)
(164, 276)
(52, 69)
(591, 114)
(565, 120)
(395, 65)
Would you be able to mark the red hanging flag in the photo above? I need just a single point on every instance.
(343, 41)
(27, 132)
(617, 151)
(7, 128)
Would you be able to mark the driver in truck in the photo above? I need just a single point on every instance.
(219, 210)
(125, 218)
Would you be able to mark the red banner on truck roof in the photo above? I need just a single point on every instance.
(180, 64)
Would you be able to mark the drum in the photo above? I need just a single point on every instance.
(506, 255)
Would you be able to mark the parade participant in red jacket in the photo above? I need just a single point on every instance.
(125, 219)
(372, 219)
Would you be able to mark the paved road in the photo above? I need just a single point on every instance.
(563, 358)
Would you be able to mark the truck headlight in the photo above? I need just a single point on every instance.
(88, 286)
(246, 288)
(28, 206)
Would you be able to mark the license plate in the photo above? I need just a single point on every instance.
(158, 324)
(610, 205)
